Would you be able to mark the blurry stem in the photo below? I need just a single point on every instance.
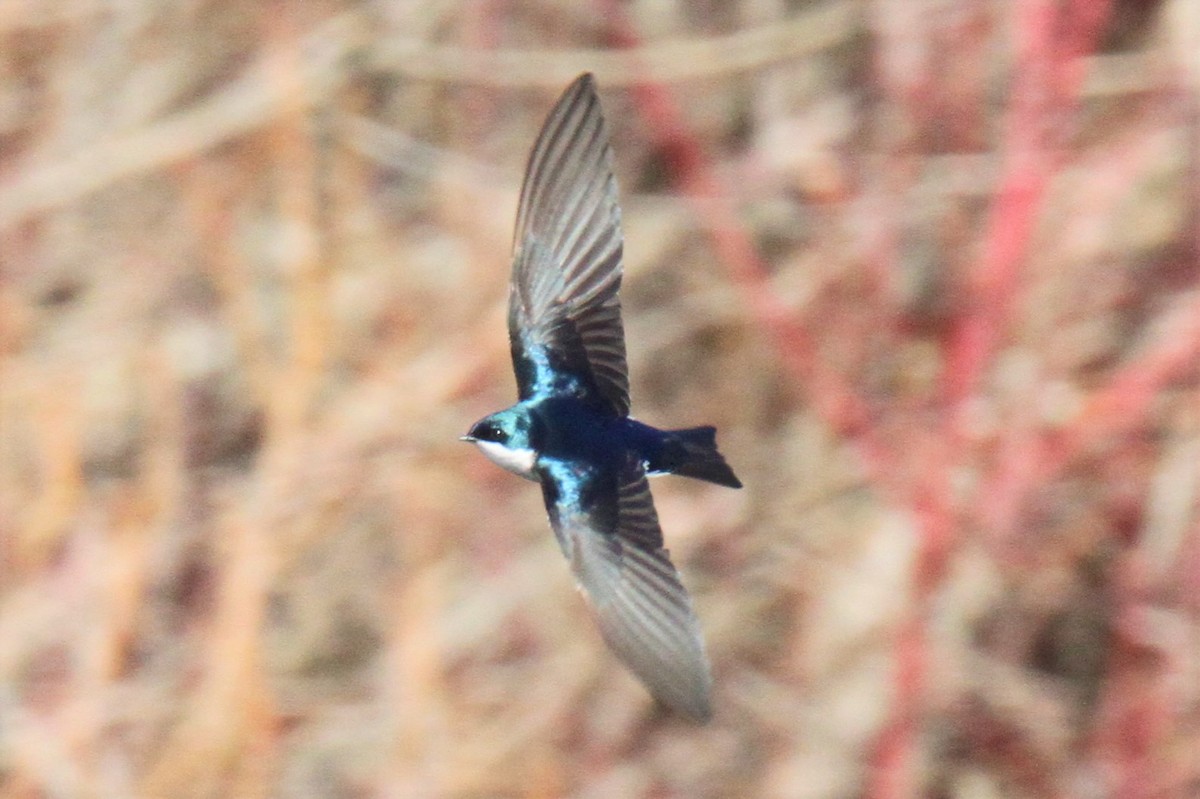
(822, 26)
(1019, 470)
(1114, 410)
(244, 105)
(1045, 87)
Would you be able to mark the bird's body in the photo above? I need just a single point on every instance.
(564, 429)
(571, 430)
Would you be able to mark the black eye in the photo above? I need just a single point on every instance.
(487, 431)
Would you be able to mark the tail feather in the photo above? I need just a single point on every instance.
(693, 453)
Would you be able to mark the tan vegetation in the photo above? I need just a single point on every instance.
(932, 269)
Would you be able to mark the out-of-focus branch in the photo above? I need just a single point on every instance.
(1045, 89)
(245, 104)
(667, 60)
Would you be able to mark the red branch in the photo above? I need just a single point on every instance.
(1110, 413)
(1116, 409)
(1020, 468)
(1046, 82)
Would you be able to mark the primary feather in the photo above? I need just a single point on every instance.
(564, 315)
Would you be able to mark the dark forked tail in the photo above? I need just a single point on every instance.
(693, 453)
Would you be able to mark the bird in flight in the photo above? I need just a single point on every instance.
(571, 430)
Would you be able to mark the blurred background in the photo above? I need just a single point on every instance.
(931, 268)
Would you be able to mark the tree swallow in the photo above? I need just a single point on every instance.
(571, 430)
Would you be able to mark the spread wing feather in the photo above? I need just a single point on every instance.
(564, 315)
(608, 529)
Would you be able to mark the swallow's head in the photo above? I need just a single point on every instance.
(504, 439)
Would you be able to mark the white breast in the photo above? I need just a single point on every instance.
(517, 461)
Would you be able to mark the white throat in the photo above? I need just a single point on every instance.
(518, 461)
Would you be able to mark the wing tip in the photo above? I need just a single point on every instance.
(696, 708)
(584, 84)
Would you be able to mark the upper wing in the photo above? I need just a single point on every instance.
(607, 528)
(564, 316)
